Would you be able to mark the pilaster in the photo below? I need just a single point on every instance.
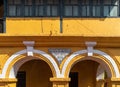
(100, 83)
(60, 82)
(6, 82)
(113, 82)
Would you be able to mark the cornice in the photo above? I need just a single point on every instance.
(60, 41)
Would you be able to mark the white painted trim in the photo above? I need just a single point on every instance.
(100, 72)
(29, 43)
(51, 60)
(12, 72)
(90, 46)
(29, 46)
(110, 59)
(18, 64)
(10, 59)
(70, 58)
(98, 60)
(114, 65)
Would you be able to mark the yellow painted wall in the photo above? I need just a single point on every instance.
(71, 26)
(32, 26)
(6, 52)
(92, 26)
(38, 74)
(86, 73)
(86, 69)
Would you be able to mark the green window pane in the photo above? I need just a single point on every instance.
(75, 11)
(113, 11)
(68, 11)
(12, 10)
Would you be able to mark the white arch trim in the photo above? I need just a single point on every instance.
(18, 64)
(105, 55)
(98, 60)
(59, 75)
(100, 72)
(10, 59)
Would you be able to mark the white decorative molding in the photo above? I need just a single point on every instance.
(10, 59)
(110, 59)
(105, 55)
(100, 72)
(59, 53)
(53, 62)
(90, 46)
(69, 59)
(13, 71)
(18, 64)
(29, 46)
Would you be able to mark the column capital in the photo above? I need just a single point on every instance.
(113, 79)
(60, 79)
(101, 80)
(60, 82)
(3, 80)
(90, 44)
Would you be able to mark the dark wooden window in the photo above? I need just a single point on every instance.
(71, 8)
(21, 77)
(1, 25)
(110, 8)
(14, 8)
(74, 79)
(63, 8)
(2, 20)
(39, 8)
(28, 8)
(33, 8)
(52, 7)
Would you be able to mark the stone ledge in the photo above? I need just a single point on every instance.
(113, 79)
(60, 41)
(4, 80)
(60, 79)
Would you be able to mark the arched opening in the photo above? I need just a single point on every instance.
(103, 58)
(84, 74)
(34, 73)
(16, 60)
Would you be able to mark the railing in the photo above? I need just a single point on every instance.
(1, 25)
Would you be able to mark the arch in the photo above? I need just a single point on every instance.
(98, 60)
(110, 62)
(100, 75)
(15, 55)
(18, 64)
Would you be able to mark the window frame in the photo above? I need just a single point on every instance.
(61, 9)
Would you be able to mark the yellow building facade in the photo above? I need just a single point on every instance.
(63, 48)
